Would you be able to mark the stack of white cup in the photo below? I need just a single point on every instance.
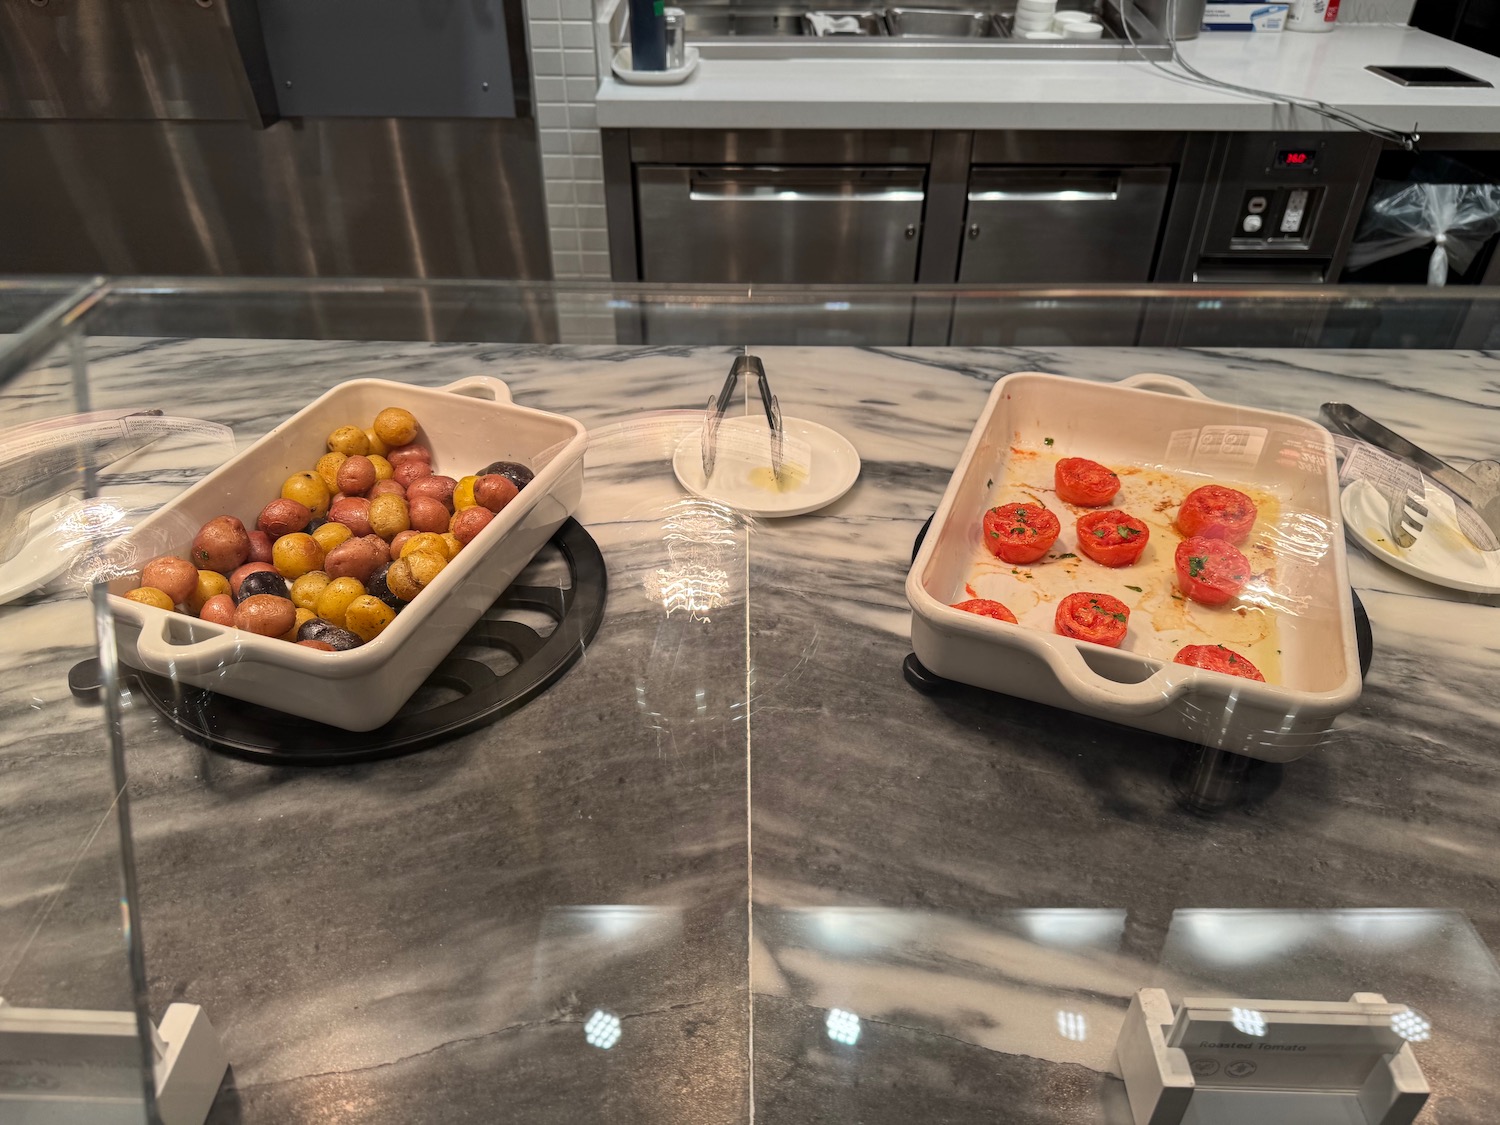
(1034, 18)
(1077, 25)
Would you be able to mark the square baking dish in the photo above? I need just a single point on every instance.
(467, 424)
(1169, 428)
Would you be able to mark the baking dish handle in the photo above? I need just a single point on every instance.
(1097, 692)
(481, 386)
(158, 653)
(1166, 384)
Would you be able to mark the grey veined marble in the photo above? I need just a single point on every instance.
(731, 866)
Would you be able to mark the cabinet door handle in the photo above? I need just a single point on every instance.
(911, 230)
(973, 230)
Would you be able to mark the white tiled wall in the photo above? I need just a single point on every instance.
(565, 71)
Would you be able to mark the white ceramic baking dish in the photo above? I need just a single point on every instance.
(467, 424)
(1175, 432)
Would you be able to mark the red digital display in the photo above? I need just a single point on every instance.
(1296, 157)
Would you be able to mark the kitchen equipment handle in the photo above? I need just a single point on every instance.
(157, 653)
(1166, 384)
(1059, 195)
(485, 387)
(1096, 692)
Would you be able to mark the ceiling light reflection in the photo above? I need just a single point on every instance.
(1247, 1021)
(843, 1027)
(1072, 1025)
(602, 1029)
(1412, 1026)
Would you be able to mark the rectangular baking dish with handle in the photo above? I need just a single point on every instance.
(1170, 431)
(467, 425)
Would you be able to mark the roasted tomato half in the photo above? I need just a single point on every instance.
(1113, 538)
(1020, 533)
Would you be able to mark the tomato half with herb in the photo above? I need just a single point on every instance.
(1020, 533)
(1096, 618)
(984, 607)
(1217, 512)
(1211, 571)
(1112, 538)
(1085, 483)
(1217, 658)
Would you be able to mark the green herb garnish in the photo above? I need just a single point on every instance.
(1137, 589)
(1197, 564)
(1100, 532)
(994, 535)
(1018, 531)
(1118, 616)
(1046, 441)
(1065, 555)
(990, 483)
(1124, 531)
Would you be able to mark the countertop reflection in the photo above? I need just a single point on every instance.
(732, 863)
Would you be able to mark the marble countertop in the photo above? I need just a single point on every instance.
(724, 828)
(729, 93)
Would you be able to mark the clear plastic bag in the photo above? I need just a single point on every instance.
(1457, 219)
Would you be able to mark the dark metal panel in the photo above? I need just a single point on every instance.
(779, 146)
(122, 59)
(771, 224)
(1061, 146)
(619, 204)
(1062, 225)
(333, 198)
(396, 58)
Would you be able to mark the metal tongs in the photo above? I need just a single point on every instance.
(748, 365)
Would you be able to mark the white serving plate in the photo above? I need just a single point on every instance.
(825, 461)
(1159, 421)
(467, 424)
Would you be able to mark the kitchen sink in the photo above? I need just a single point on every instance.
(743, 21)
(978, 29)
(938, 23)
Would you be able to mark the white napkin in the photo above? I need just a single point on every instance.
(824, 24)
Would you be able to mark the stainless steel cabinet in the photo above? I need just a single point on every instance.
(767, 224)
(1027, 225)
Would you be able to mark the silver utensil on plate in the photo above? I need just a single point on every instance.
(1476, 490)
(751, 368)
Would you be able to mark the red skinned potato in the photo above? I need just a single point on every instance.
(389, 485)
(283, 517)
(410, 471)
(494, 492)
(468, 523)
(245, 571)
(219, 609)
(171, 576)
(379, 545)
(260, 547)
(353, 512)
(221, 544)
(321, 646)
(411, 451)
(265, 614)
(428, 514)
(354, 558)
(399, 540)
(439, 488)
(356, 476)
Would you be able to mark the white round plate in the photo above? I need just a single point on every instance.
(742, 470)
(47, 551)
(1441, 554)
(621, 67)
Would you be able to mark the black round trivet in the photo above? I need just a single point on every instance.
(247, 730)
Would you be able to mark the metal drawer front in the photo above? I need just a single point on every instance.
(1063, 225)
(772, 224)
